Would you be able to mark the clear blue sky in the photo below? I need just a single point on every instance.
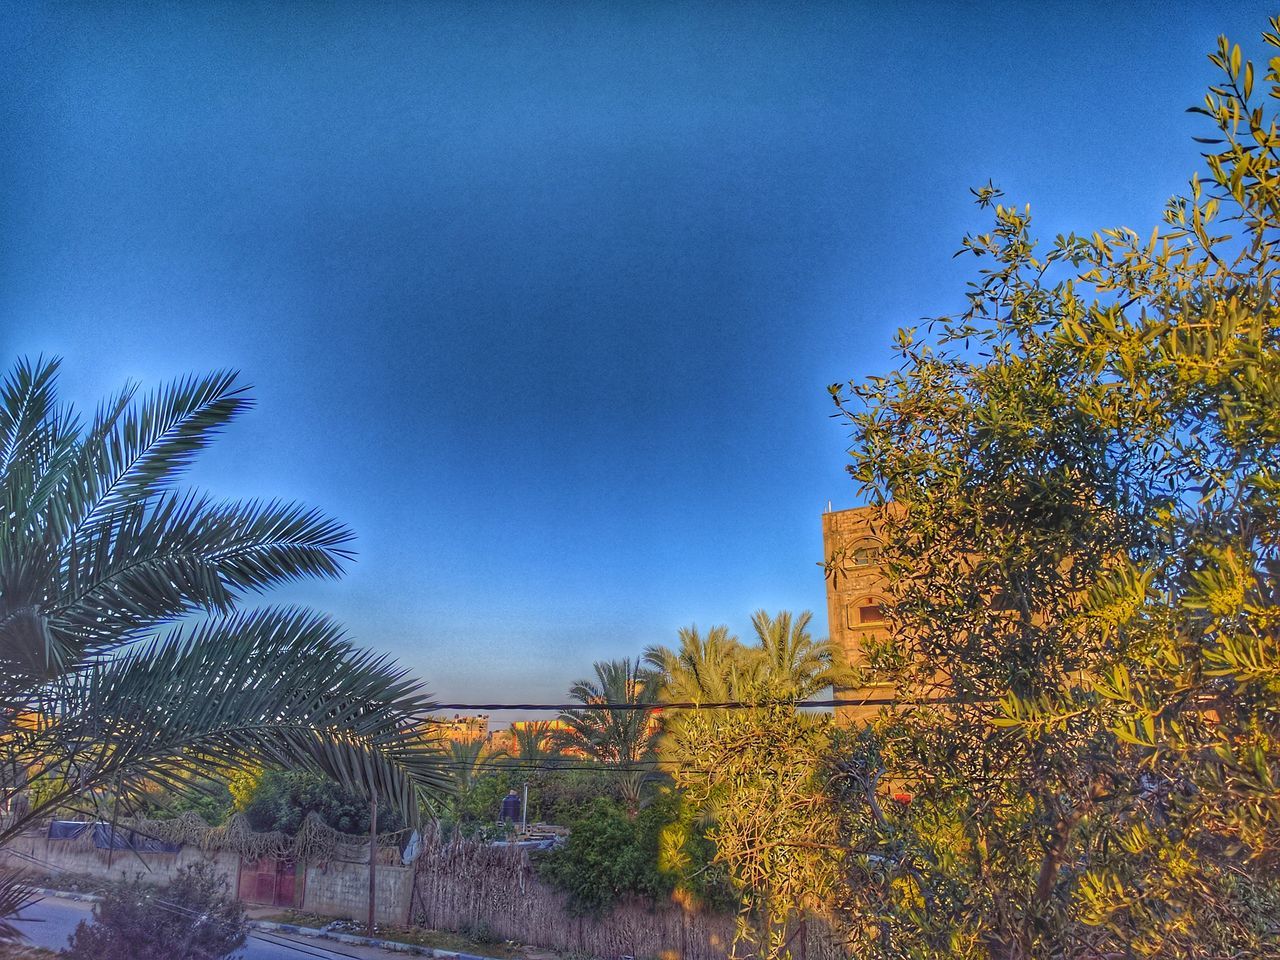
(543, 298)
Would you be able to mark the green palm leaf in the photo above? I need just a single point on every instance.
(100, 550)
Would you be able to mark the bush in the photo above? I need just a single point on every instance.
(602, 860)
(280, 800)
(209, 797)
(194, 917)
(561, 796)
(610, 855)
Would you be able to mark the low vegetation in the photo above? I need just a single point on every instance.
(194, 916)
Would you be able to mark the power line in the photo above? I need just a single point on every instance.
(675, 705)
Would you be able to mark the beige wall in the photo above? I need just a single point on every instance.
(853, 595)
(35, 854)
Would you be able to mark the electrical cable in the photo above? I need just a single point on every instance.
(674, 705)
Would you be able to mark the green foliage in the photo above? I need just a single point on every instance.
(120, 627)
(209, 797)
(195, 916)
(602, 861)
(759, 775)
(560, 796)
(475, 808)
(655, 854)
(1082, 535)
(282, 800)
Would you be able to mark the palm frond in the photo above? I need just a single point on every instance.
(133, 452)
(27, 397)
(15, 894)
(178, 554)
(277, 686)
(617, 737)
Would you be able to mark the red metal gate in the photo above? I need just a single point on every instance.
(271, 882)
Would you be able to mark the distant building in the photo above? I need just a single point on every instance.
(857, 597)
(462, 729)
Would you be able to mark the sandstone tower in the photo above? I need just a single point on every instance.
(856, 597)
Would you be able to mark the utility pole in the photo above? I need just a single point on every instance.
(524, 811)
(373, 855)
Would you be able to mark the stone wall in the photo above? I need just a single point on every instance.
(35, 854)
(340, 889)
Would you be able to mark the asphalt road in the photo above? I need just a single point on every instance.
(51, 922)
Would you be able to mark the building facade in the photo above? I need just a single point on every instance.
(857, 598)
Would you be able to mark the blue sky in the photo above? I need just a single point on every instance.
(543, 298)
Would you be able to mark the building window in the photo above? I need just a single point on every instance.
(864, 613)
(866, 554)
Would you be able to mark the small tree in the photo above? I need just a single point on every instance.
(622, 739)
(194, 917)
(759, 776)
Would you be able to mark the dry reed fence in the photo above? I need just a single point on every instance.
(493, 890)
(314, 843)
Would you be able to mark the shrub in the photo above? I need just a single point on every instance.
(660, 851)
(194, 917)
(601, 861)
(280, 800)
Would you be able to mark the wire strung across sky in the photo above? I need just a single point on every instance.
(658, 707)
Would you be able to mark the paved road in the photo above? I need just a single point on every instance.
(50, 923)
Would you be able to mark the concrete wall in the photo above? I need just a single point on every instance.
(340, 889)
(336, 889)
(35, 854)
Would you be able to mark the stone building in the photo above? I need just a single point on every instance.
(856, 597)
(461, 729)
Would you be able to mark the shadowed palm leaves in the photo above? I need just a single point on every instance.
(535, 743)
(102, 565)
(617, 738)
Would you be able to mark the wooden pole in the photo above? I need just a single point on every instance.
(373, 856)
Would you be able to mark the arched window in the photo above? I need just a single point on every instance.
(866, 612)
(865, 553)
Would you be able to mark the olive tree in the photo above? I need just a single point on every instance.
(1080, 490)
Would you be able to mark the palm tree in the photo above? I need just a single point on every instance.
(715, 668)
(711, 669)
(121, 630)
(622, 739)
(467, 759)
(794, 665)
(535, 743)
